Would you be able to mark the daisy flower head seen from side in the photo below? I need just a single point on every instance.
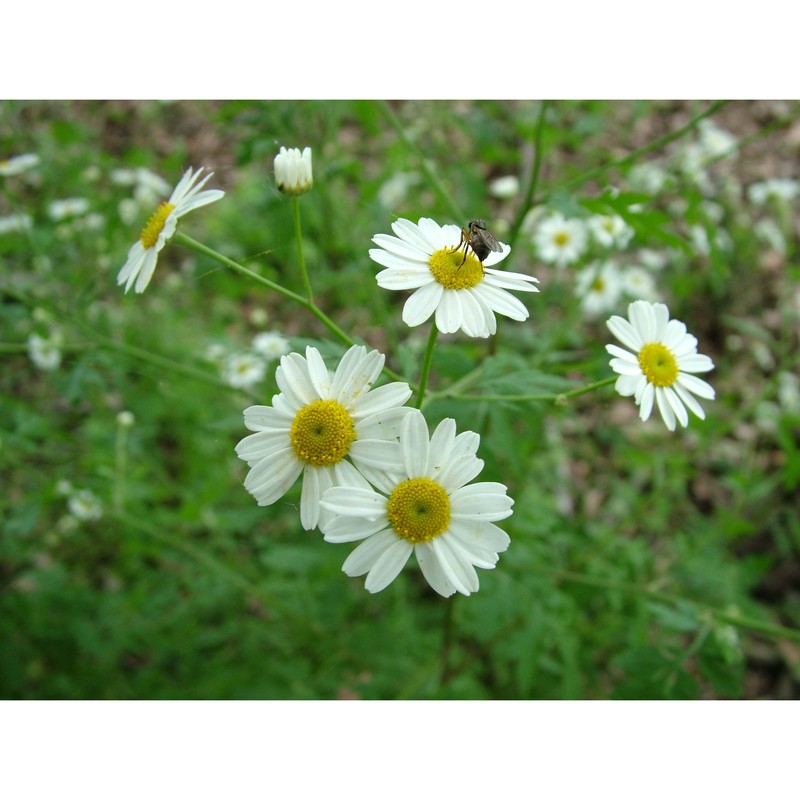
(293, 172)
(660, 363)
(159, 229)
(428, 507)
(462, 292)
(331, 427)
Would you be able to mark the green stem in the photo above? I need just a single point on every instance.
(299, 237)
(424, 164)
(447, 639)
(120, 467)
(560, 397)
(527, 203)
(305, 303)
(426, 365)
(631, 157)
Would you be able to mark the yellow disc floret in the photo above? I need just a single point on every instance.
(154, 226)
(322, 433)
(418, 510)
(448, 269)
(658, 364)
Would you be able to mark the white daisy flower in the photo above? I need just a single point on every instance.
(244, 370)
(45, 353)
(17, 164)
(659, 367)
(715, 141)
(560, 241)
(610, 230)
(84, 505)
(427, 508)
(16, 223)
(648, 177)
(270, 345)
(318, 421)
(143, 256)
(505, 188)
(638, 283)
(598, 286)
(463, 293)
(293, 173)
(783, 189)
(68, 207)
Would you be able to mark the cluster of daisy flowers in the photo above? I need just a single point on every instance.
(371, 472)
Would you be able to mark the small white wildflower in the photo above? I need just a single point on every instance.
(18, 164)
(504, 188)
(395, 190)
(83, 505)
(768, 231)
(45, 353)
(648, 177)
(789, 392)
(598, 286)
(16, 223)
(270, 345)
(639, 284)
(652, 259)
(244, 370)
(560, 241)
(781, 189)
(610, 230)
(68, 207)
(125, 419)
(716, 142)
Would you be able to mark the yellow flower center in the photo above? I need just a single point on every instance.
(598, 284)
(658, 364)
(154, 226)
(608, 224)
(561, 238)
(448, 269)
(322, 433)
(418, 510)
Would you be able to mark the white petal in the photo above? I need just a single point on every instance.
(626, 385)
(454, 567)
(436, 237)
(624, 355)
(363, 558)
(399, 279)
(676, 405)
(378, 453)
(503, 303)
(262, 418)
(689, 401)
(441, 445)
(382, 425)
(385, 400)
(667, 414)
(263, 444)
(625, 332)
(422, 304)
(448, 312)
(310, 496)
(388, 565)
(293, 381)
(516, 281)
(695, 363)
(409, 232)
(646, 400)
(271, 478)
(400, 248)
(480, 536)
(432, 570)
(643, 319)
(415, 444)
(352, 529)
(458, 472)
(696, 386)
(495, 258)
(484, 500)
(318, 373)
(147, 269)
(354, 378)
(350, 501)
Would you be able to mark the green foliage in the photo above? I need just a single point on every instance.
(643, 563)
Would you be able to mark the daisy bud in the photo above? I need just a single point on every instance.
(293, 171)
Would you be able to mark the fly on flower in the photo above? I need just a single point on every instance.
(480, 239)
